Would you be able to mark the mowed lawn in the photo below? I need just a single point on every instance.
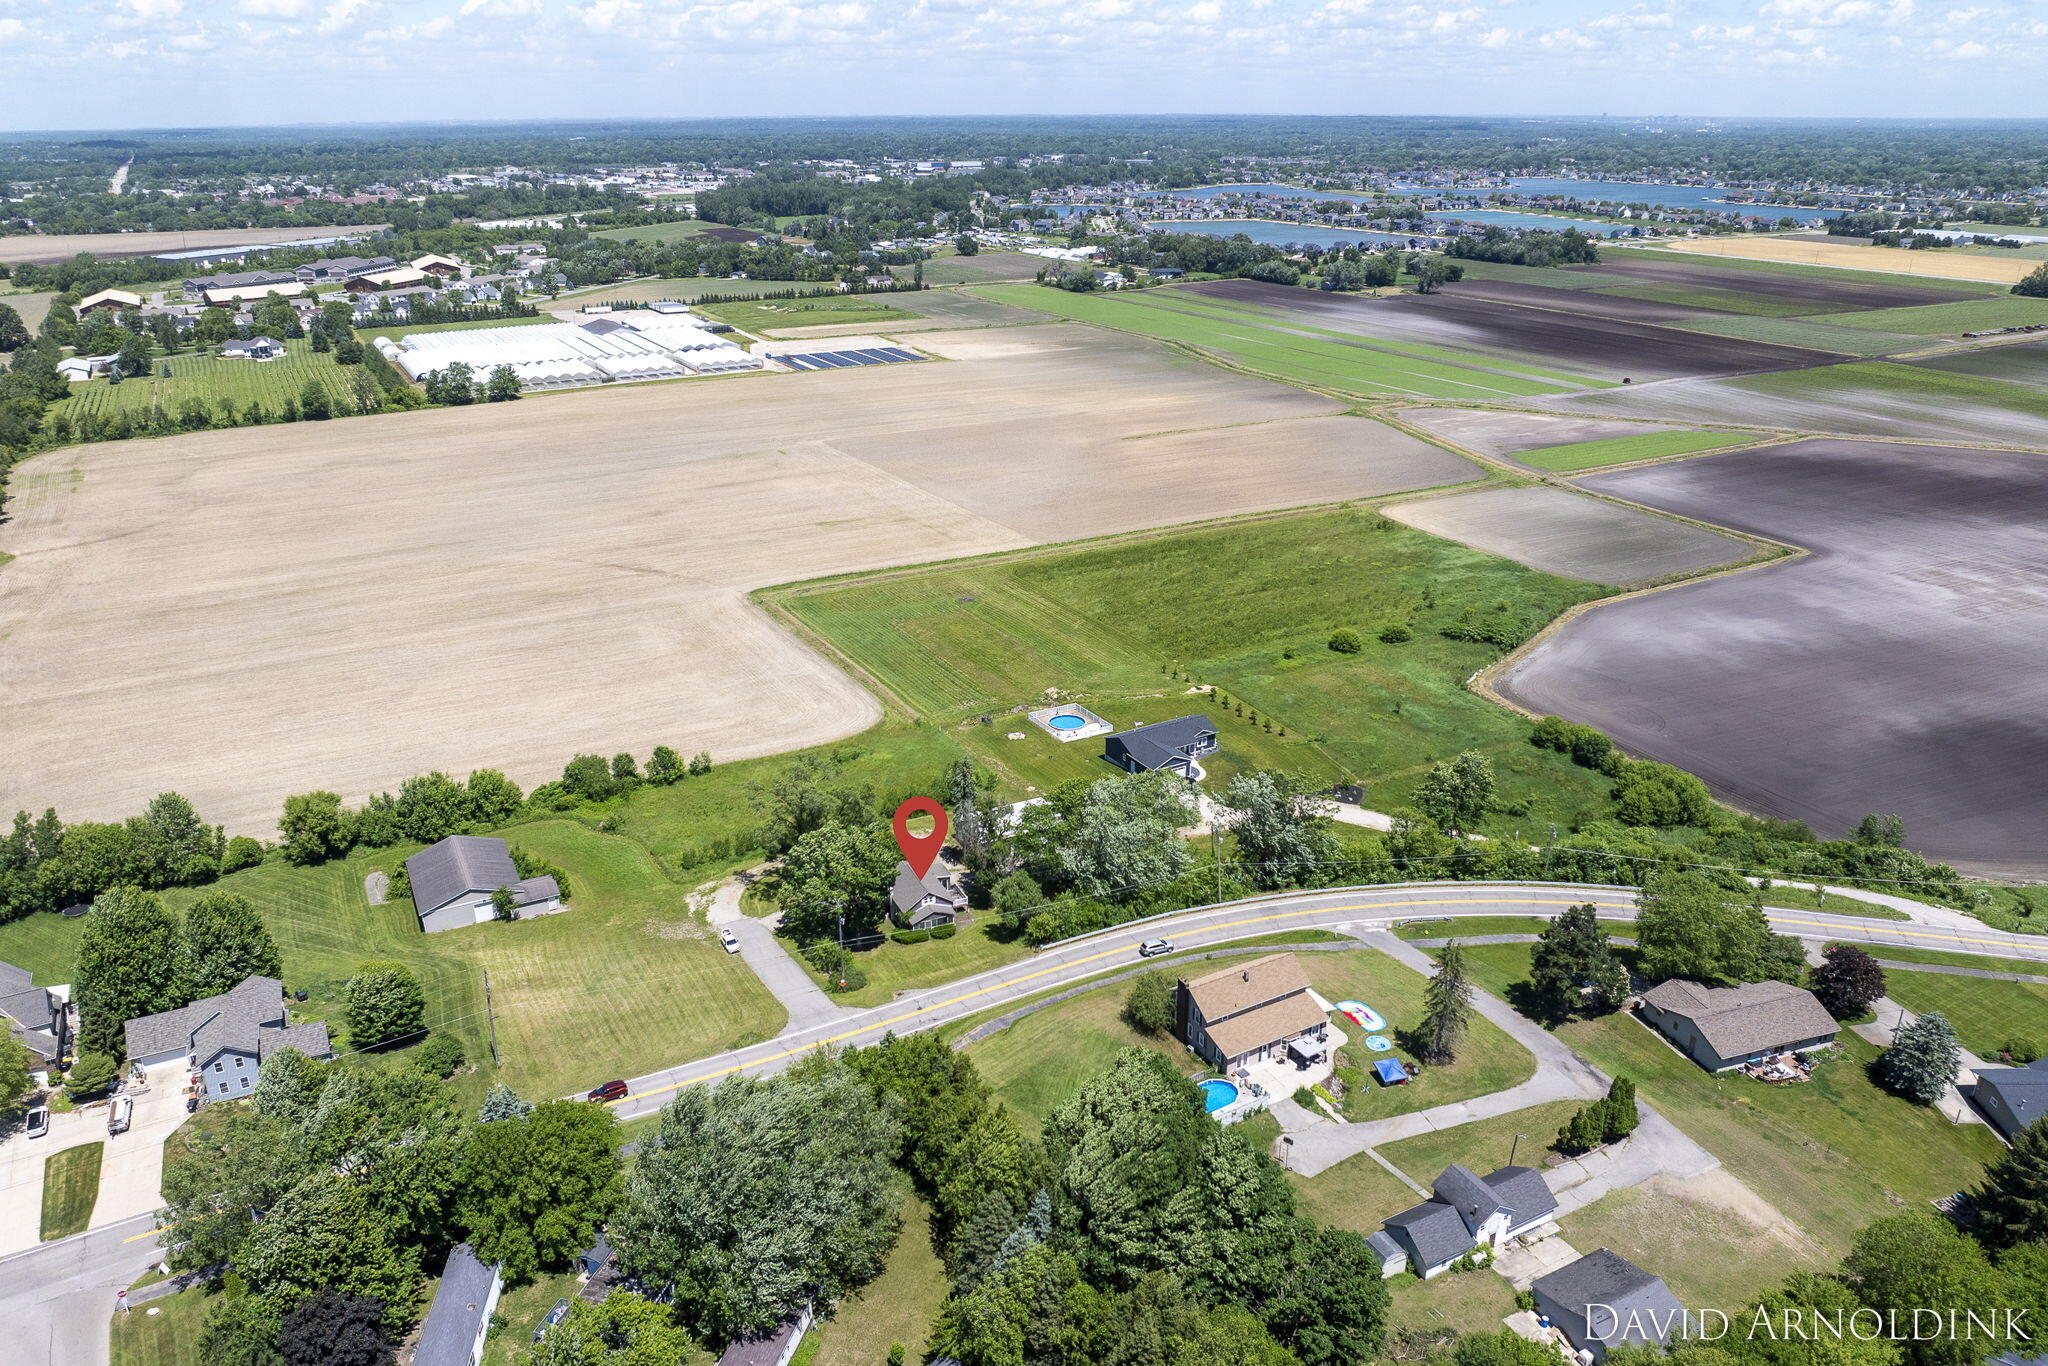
(893, 967)
(1710, 1256)
(215, 378)
(1294, 352)
(167, 1337)
(771, 314)
(1040, 1061)
(1108, 623)
(898, 1306)
(1485, 1144)
(71, 1182)
(1832, 1154)
(627, 981)
(1616, 450)
(1987, 1013)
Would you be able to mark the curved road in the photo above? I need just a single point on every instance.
(1341, 908)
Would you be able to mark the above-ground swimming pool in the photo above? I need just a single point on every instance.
(1070, 721)
(1066, 720)
(1217, 1094)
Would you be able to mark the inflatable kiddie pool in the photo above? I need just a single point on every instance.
(1361, 1014)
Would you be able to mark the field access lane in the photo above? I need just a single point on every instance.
(1348, 908)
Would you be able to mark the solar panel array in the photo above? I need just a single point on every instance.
(840, 360)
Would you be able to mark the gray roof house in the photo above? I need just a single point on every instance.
(919, 903)
(1603, 1301)
(38, 1016)
(341, 268)
(460, 1315)
(452, 884)
(769, 1349)
(1467, 1211)
(241, 279)
(1725, 1027)
(2012, 1097)
(225, 1038)
(1174, 746)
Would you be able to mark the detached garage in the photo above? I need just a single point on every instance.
(454, 884)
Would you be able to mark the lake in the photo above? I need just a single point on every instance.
(1277, 234)
(1663, 196)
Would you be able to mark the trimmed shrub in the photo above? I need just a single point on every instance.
(438, 1055)
(1346, 641)
(944, 931)
(1396, 633)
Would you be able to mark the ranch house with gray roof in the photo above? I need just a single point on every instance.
(225, 1038)
(2011, 1097)
(1466, 1211)
(453, 882)
(1603, 1301)
(1722, 1028)
(1174, 746)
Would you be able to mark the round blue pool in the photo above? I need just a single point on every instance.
(1217, 1094)
(1066, 722)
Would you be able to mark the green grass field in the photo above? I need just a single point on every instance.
(168, 1337)
(1935, 388)
(2030, 966)
(1358, 1194)
(1462, 1302)
(214, 378)
(1615, 450)
(1935, 320)
(1709, 1256)
(1814, 336)
(1039, 1061)
(681, 230)
(1831, 1154)
(369, 334)
(1295, 353)
(1986, 1013)
(983, 267)
(628, 980)
(771, 314)
(71, 1183)
(984, 637)
(1801, 899)
(520, 1310)
(1731, 300)
(1483, 1144)
(897, 1307)
(892, 967)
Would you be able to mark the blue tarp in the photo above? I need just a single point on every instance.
(1390, 1071)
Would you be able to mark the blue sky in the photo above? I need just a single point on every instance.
(129, 63)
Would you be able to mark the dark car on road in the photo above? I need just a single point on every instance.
(611, 1090)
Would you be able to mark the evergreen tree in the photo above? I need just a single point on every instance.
(1922, 1060)
(504, 1103)
(1446, 1008)
(1572, 952)
(1621, 1116)
(2012, 1204)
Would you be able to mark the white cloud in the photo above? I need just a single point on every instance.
(338, 15)
(154, 9)
(501, 9)
(272, 9)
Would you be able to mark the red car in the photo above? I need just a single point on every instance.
(611, 1090)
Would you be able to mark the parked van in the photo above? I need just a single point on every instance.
(120, 1115)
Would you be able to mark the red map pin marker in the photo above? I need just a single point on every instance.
(920, 851)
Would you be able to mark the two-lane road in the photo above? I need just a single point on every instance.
(1365, 907)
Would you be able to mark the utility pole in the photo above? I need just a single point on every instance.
(491, 1018)
(841, 936)
(1513, 1147)
(1216, 856)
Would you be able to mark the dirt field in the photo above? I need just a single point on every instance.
(1607, 347)
(241, 615)
(1872, 398)
(1659, 268)
(1592, 303)
(1894, 669)
(1890, 260)
(1497, 433)
(1571, 534)
(49, 250)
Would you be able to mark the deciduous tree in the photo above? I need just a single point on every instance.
(1456, 795)
(385, 1004)
(1847, 982)
(315, 828)
(225, 943)
(1282, 828)
(330, 1329)
(536, 1187)
(129, 965)
(323, 1235)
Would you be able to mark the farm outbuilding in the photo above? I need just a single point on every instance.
(109, 298)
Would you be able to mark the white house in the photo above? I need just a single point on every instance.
(1467, 1211)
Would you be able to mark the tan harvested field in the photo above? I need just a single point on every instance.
(1571, 534)
(1499, 433)
(240, 615)
(49, 250)
(1889, 260)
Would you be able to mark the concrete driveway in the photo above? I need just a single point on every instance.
(131, 1164)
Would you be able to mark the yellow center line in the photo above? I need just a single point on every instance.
(925, 1011)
